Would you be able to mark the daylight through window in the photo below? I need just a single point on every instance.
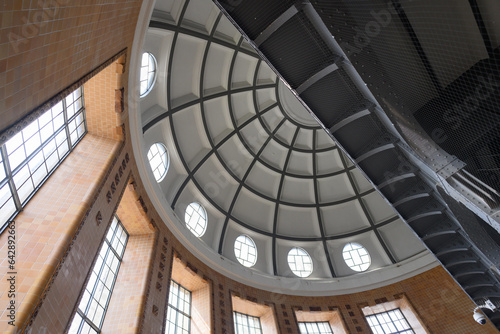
(148, 73)
(95, 300)
(196, 219)
(179, 310)
(356, 257)
(245, 250)
(246, 324)
(322, 327)
(300, 262)
(158, 160)
(390, 322)
(30, 157)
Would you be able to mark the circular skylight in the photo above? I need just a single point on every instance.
(245, 250)
(196, 219)
(148, 73)
(158, 160)
(356, 257)
(300, 262)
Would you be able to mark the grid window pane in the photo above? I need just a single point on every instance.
(2, 169)
(196, 219)
(356, 257)
(300, 262)
(147, 73)
(245, 250)
(321, 327)
(95, 299)
(7, 205)
(390, 322)
(28, 158)
(158, 160)
(179, 309)
(246, 324)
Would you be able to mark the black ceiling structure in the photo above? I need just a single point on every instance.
(380, 75)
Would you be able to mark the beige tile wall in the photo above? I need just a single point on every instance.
(47, 45)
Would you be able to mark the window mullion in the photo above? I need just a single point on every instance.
(35, 152)
(8, 173)
(83, 109)
(66, 125)
(96, 283)
(177, 313)
(113, 250)
(87, 320)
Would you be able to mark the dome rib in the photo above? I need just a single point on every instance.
(367, 214)
(290, 176)
(249, 169)
(318, 210)
(278, 197)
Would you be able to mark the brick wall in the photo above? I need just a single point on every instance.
(129, 293)
(47, 45)
(100, 102)
(46, 226)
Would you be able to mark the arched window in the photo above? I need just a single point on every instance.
(196, 219)
(158, 160)
(148, 73)
(245, 250)
(300, 262)
(356, 257)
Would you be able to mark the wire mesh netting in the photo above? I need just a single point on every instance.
(433, 66)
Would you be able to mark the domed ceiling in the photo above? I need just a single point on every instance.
(242, 145)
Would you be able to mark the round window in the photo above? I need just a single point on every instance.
(300, 262)
(196, 219)
(245, 250)
(356, 257)
(158, 160)
(148, 73)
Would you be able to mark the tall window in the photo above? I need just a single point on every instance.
(322, 327)
(390, 322)
(246, 324)
(179, 309)
(95, 300)
(30, 157)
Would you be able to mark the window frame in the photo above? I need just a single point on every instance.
(355, 247)
(244, 261)
(374, 316)
(155, 74)
(10, 174)
(167, 160)
(296, 271)
(188, 222)
(317, 327)
(110, 249)
(247, 317)
(177, 310)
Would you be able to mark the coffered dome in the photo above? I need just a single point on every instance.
(254, 162)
